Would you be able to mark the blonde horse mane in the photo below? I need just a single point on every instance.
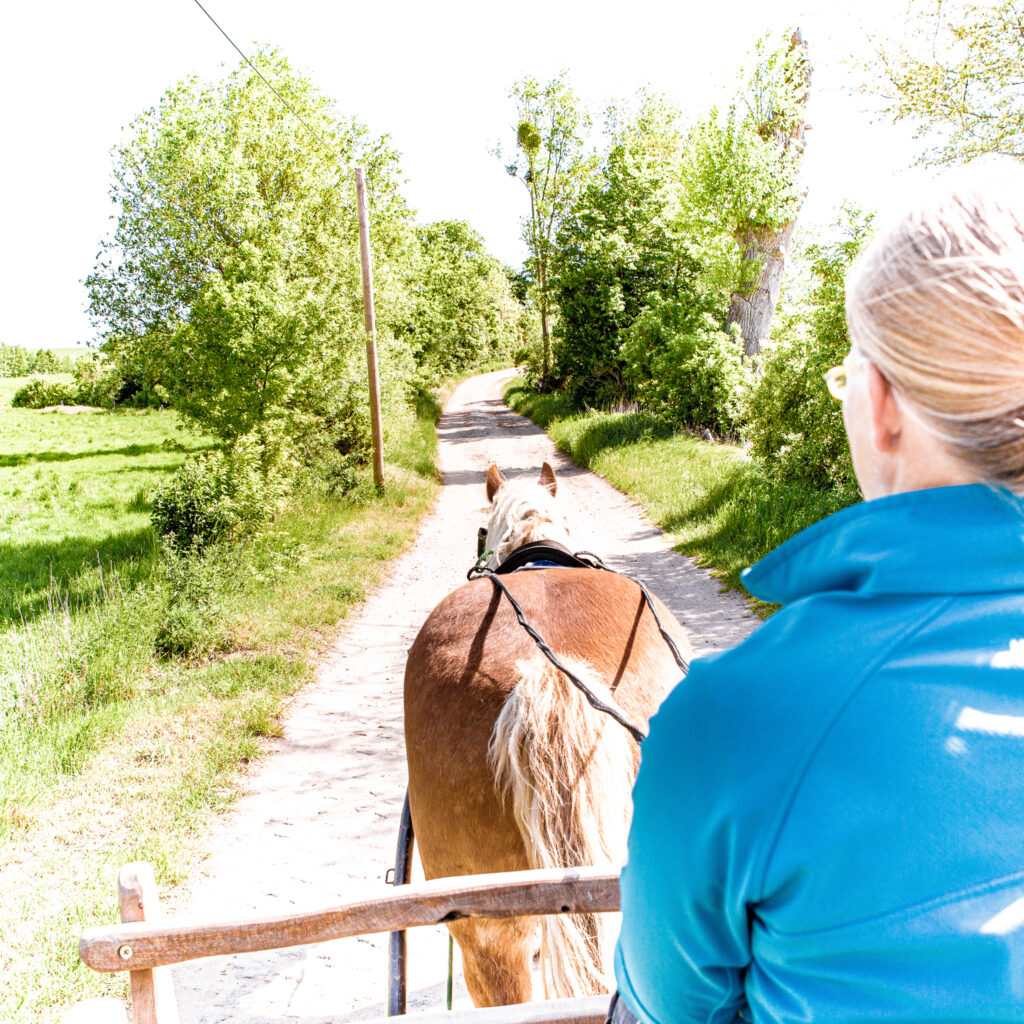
(567, 771)
(522, 513)
(564, 769)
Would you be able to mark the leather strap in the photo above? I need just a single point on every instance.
(541, 551)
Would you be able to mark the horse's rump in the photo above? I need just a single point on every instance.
(463, 663)
(476, 813)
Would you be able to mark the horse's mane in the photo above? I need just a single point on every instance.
(520, 514)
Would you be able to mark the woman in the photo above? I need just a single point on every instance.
(829, 818)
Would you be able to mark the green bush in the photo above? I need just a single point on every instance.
(684, 366)
(794, 425)
(39, 393)
(333, 437)
(188, 627)
(225, 495)
(188, 509)
(98, 382)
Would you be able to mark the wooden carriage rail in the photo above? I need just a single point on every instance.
(584, 1010)
(145, 945)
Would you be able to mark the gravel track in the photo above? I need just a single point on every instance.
(317, 819)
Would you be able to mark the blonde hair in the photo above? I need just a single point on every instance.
(937, 303)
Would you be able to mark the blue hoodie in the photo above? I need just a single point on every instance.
(829, 818)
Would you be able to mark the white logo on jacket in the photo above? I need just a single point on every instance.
(1012, 658)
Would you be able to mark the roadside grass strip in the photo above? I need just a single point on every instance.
(108, 752)
(716, 505)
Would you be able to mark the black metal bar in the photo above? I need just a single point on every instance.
(396, 947)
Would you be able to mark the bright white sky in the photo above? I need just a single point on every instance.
(434, 77)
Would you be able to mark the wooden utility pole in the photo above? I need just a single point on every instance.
(371, 331)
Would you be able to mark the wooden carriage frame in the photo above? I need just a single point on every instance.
(145, 945)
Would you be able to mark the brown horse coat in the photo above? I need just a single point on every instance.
(461, 669)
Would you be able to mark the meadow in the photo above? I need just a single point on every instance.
(73, 496)
(110, 751)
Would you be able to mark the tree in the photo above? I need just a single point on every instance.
(552, 165)
(463, 307)
(742, 177)
(616, 246)
(959, 77)
(794, 425)
(640, 317)
(232, 274)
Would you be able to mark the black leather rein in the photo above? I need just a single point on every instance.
(548, 552)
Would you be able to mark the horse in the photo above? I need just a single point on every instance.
(510, 768)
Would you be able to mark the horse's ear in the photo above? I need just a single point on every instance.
(494, 480)
(547, 478)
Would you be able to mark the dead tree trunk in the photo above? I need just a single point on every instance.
(766, 246)
(752, 308)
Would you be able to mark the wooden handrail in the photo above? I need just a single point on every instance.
(148, 944)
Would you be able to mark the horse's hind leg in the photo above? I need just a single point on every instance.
(496, 958)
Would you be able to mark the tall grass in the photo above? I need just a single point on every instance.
(717, 505)
(109, 749)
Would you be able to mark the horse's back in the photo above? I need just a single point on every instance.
(464, 663)
(472, 638)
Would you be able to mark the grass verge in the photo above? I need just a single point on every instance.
(110, 754)
(716, 504)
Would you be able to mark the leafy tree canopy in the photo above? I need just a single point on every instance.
(233, 269)
(742, 183)
(617, 246)
(741, 167)
(463, 307)
(551, 161)
(958, 77)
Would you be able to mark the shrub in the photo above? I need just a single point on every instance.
(39, 393)
(187, 509)
(684, 366)
(188, 627)
(794, 425)
(333, 437)
(139, 393)
(97, 382)
(226, 494)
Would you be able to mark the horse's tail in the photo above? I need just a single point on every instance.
(567, 771)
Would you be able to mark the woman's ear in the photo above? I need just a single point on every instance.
(885, 411)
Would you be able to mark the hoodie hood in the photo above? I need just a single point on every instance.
(947, 540)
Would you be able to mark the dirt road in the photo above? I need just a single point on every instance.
(317, 822)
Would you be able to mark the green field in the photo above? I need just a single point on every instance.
(74, 497)
(108, 752)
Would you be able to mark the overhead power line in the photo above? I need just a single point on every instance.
(266, 82)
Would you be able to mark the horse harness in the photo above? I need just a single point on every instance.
(548, 555)
(537, 555)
